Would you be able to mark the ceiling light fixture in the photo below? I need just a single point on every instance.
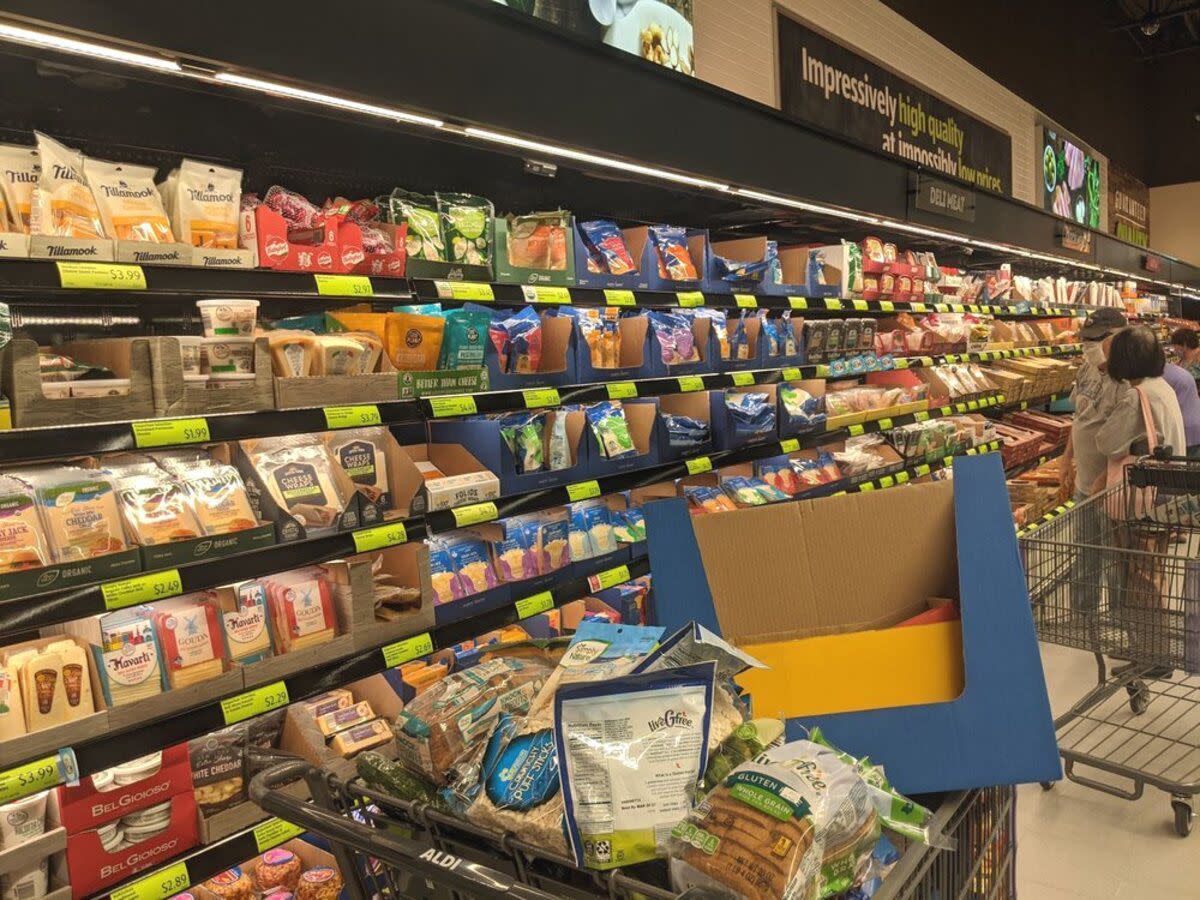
(33, 38)
(808, 207)
(279, 89)
(609, 162)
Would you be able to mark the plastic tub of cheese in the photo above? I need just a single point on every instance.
(228, 354)
(227, 317)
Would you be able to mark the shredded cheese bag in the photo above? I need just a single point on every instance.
(19, 170)
(204, 204)
(130, 208)
(63, 204)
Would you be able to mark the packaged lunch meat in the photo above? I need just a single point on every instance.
(204, 201)
(157, 509)
(20, 169)
(129, 204)
(299, 476)
(23, 542)
(63, 203)
(361, 454)
(631, 752)
(79, 510)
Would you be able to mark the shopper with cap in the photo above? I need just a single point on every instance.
(1095, 396)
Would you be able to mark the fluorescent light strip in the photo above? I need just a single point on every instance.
(33, 38)
(922, 230)
(278, 89)
(808, 207)
(609, 162)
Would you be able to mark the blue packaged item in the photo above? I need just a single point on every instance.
(790, 346)
(706, 498)
(800, 408)
(597, 522)
(611, 429)
(472, 563)
(517, 338)
(676, 340)
(729, 270)
(516, 553)
(446, 586)
(739, 341)
(656, 725)
(629, 526)
(751, 414)
(751, 491)
(684, 432)
(768, 336)
(464, 340)
(606, 246)
(579, 542)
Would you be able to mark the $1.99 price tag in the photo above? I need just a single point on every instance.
(167, 432)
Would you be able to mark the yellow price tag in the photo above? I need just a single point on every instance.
(798, 302)
(475, 513)
(941, 307)
(822, 371)
(921, 415)
(608, 578)
(141, 589)
(742, 379)
(956, 307)
(791, 445)
(791, 374)
(861, 305)
(344, 285)
(887, 481)
(274, 832)
(352, 416)
(856, 430)
(945, 410)
(887, 305)
(620, 298)
(166, 882)
(583, 490)
(901, 478)
(531, 606)
(254, 703)
(867, 486)
(960, 407)
(972, 405)
(380, 536)
(30, 778)
(407, 650)
(101, 276)
(698, 465)
(688, 299)
(833, 303)
(545, 293)
(745, 301)
(689, 383)
(454, 405)
(900, 363)
(541, 397)
(922, 469)
(166, 432)
(885, 424)
(464, 290)
(918, 307)
(621, 390)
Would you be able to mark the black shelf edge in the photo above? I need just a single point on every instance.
(1039, 461)
(32, 444)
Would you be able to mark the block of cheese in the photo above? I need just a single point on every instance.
(301, 609)
(361, 737)
(12, 708)
(43, 691)
(339, 698)
(247, 634)
(341, 719)
(77, 681)
(189, 635)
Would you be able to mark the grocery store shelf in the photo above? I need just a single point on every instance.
(1036, 462)
(29, 444)
(1048, 517)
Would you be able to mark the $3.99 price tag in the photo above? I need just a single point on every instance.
(254, 703)
(39, 775)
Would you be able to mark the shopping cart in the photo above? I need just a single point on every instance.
(396, 849)
(1119, 575)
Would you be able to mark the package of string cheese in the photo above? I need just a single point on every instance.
(631, 751)
(129, 204)
(63, 203)
(519, 787)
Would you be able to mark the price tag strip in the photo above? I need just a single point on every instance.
(352, 416)
(274, 832)
(454, 405)
(158, 885)
(407, 650)
(541, 397)
(464, 290)
(380, 536)
(608, 578)
(531, 606)
(101, 276)
(475, 514)
(141, 589)
(39, 775)
(254, 703)
(620, 298)
(583, 490)
(168, 432)
(344, 285)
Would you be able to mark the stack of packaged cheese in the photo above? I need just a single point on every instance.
(43, 684)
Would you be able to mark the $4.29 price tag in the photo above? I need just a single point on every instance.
(165, 882)
(167, 432)
(141, 589)
(380, 536)
(254, 703)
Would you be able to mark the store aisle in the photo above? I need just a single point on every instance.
(1075, 842)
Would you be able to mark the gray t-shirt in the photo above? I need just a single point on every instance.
(1125, 425)
(1095, 397)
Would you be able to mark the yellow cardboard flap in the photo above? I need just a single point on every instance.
(864, 670)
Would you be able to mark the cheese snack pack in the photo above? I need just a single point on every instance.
(247, 626)
(129, 204)
(301, 604)
(20, 168)
(63, 203)
(128, 655)
(218, 497)
(203, 201)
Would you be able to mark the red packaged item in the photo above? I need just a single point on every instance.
(124, 789)
(191, 640)
(301, 609)
(674, 259)
(296, 210)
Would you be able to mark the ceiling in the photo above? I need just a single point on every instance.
(1158, 28)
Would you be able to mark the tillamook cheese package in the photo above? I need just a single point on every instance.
(130, 207)
(19, 170)
(63, 204)
(203, 202)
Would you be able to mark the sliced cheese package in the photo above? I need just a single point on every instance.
(63, 203)
(189, 633)
(302, 611)
(23, 542)
(129, 204)
(125, 650)
(247, 626)
(218, 497)
(12, 707)
(20, 168)
(157, 509)
(55, 683)
(79, 511)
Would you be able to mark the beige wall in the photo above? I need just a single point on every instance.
(1175, 220)
(735, 49)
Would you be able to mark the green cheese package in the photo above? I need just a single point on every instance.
(466, 228)
(631, 751)
(465, 339)
(423, 236)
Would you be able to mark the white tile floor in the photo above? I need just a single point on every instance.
(1076, 842)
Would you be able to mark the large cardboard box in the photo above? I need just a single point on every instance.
(812, 589)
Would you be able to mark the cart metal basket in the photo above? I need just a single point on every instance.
(1119, 575)
(396, 849)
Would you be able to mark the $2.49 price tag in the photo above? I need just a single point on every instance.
(141, 589)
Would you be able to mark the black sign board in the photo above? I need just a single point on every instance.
(827, 85)
(943, 198)
(1072, 237)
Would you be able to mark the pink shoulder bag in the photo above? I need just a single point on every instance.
(1138, 501)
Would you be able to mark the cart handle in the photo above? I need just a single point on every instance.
(401, 853)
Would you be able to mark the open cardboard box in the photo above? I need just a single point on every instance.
(481, 437)
(834, 270)
(705, 340)
(310, 857)
(381, 386)
(751, 249)
(642, 418)
(125, 357)
(466, 480)
(407, 565)
(944, 706)
(642, 249)
(22, 856)
(791, 425)
(556, 366)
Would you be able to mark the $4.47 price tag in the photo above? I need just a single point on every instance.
(254, 703)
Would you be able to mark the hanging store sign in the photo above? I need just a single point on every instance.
(1072, 237)
(1128, 207)
(933, 195)
(830, 86)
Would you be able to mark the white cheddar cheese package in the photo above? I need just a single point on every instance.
(631, 751)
